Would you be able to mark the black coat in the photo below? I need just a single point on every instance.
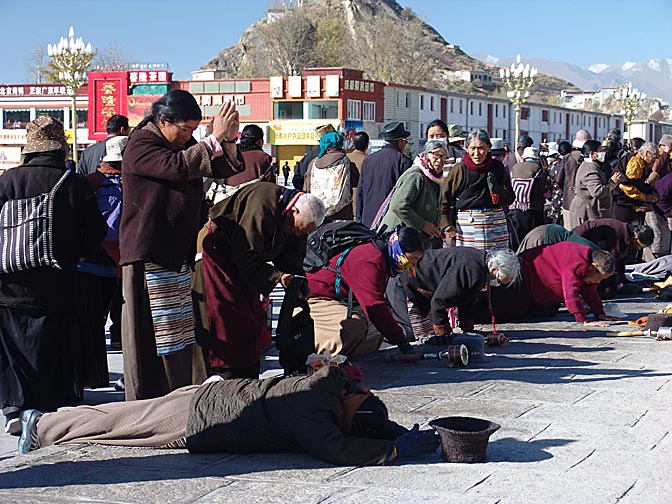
(449, 277)
(78, 228)
(297, 414)
(380, 172)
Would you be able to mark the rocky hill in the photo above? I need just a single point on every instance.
(388, 42)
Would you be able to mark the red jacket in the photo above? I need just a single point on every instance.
(554, 274)
(364, 270)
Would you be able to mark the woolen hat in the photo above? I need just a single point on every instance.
(455, 133)
(666, 139)
(45, 134)
(115, 147)
(394, 131)
(581, 137)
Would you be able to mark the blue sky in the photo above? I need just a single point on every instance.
(187, 34)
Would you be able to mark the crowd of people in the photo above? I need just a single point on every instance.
(180, 242)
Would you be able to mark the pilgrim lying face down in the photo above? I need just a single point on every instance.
(324, 414)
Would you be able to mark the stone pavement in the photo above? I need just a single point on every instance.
(585, 418)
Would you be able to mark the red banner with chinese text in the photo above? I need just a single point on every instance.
(107, 97)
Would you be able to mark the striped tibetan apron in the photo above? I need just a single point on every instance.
(482, 229)
(171, 307)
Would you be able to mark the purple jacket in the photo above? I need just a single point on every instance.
(664, 189)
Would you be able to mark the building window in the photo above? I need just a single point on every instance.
(288, 110)
(471, 108)
(480, 109)
(322, 109)
(496, 111)
(460, 106)
(408, 100)
(524, 113)
(504, 113)
(369, 111)
(422, 102)
(55, 113)
(452, 108)
(544, 116)
(355, 110)
(555, 117)
(16, 118)
(431, 103)
(422, 127)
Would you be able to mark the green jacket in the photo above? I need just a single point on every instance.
(416, 200)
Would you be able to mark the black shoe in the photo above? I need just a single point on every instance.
(13, 424)
(28, 441)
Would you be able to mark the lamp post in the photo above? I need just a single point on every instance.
(629, 99)
(69, 61)
(519, 80)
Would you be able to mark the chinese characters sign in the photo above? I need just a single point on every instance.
(33, 90)
(148, 76)
(107, 97)
(296, 132)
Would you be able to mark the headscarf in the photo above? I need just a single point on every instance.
(422, 163)
(397, 260)
(333, 139)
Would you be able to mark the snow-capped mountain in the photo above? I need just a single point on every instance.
(653, 76)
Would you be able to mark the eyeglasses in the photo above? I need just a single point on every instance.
(438, 156)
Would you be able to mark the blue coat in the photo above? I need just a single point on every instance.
(380, 172)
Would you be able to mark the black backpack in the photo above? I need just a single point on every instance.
(334, 237)
(295, 334)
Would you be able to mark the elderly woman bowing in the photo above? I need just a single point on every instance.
(473, 196)
(256, 239)
(163, 170)
(453, 277)
(416, 201)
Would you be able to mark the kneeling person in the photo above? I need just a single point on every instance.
(365, 271)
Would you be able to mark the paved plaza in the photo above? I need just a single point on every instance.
(585, 418)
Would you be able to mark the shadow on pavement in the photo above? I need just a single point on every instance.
(515, 450)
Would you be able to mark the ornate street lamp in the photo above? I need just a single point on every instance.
(629, 99)
(69, 61)
(519, 80)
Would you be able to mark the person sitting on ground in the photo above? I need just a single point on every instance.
(453, 277)
(565, 272)
(365, 269)
(313, 414)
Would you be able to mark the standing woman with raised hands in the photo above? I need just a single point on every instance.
(163, 169)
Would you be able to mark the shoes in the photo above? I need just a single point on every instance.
(13, 424)
(28, 441)
(119, 385)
